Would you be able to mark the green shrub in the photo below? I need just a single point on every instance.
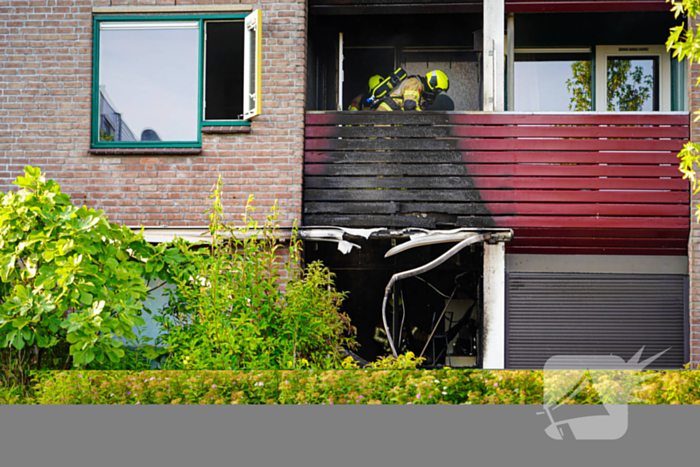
(322, 387)
(71, 283)
(241, 307)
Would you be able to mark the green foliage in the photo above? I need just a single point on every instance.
(68, 277)
(407, 361)
(627, 88)
(231, 309)
(579, 86)
(445, 386)
(685, 44)
(105, 137)
(326, 387)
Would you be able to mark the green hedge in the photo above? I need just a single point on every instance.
(445, 386)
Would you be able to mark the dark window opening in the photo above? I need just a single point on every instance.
(364, 274)
(223, 71)
(377, 44)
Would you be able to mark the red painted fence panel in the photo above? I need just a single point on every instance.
(579, 183)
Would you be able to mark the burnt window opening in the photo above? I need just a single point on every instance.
(364, 274)
(378, 44)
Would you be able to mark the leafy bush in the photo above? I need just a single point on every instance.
(445, 386)
(236, 309)
(71, 283)
(322, 387)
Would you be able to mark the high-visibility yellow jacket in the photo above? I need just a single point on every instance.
(358, 103)
(408, 92)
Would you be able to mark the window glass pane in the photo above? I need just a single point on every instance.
(552, 82)
(224, 71)
(633, 84)
(148, 79)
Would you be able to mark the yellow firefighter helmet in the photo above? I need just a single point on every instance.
(374, 82)
(437, 80)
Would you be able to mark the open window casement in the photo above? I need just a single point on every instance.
(652, 63)
(252, 60)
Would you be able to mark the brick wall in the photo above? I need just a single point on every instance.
(694, 242)
(45, 111)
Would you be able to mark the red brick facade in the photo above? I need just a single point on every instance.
(45, 107)
(694, 242)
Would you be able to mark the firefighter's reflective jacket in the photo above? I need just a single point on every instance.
(358, 103)
(406, 96)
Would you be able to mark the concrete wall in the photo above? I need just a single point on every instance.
(45, 111)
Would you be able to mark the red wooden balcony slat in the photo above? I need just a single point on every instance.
(502, 170)
(493, 131)
(491, 157)
(502, 144)
(589, 6)
(498, 209)
(471, 196)
(593, 222)
(532, 183)
(539, 232)
(599, 241)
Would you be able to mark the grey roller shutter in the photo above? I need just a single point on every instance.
(551, 314)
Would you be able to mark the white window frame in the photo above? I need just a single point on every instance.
(252, 83)
(544, 50)
(601, 74)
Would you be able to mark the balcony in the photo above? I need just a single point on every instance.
(572, 183)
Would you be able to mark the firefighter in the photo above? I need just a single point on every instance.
(416, 92)
(358, 103)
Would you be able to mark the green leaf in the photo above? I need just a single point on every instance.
(42, 340)
(48, 255)
(19, 323)
(86, 298)
(6, 266)
(9, 338)
(18, 342)
(72, 338)
(21, 292)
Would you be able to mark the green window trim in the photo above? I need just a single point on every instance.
(201, 18)
(225, 123)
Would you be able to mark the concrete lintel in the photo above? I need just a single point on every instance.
(108, 10)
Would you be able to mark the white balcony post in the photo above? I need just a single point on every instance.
(510, 54)
(494, 51)
(494, 327)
